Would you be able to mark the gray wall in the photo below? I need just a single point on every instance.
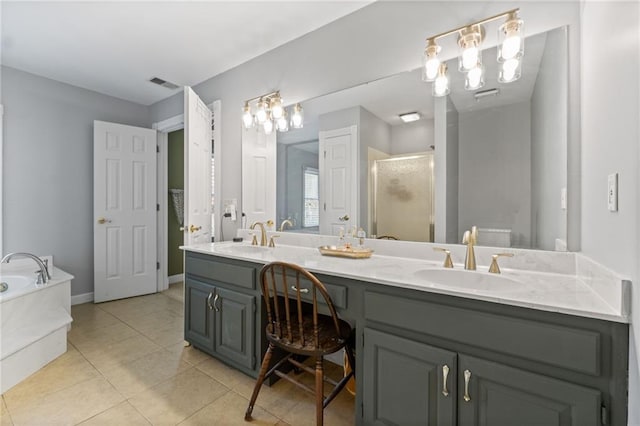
(408, 138)
(548, 139)
(48, 168)
(610, 143)
(495, 170)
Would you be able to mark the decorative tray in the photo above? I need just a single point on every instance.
(345, 251)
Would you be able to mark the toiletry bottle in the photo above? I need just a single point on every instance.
(361, 236)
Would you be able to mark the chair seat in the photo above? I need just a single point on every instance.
(329, 340)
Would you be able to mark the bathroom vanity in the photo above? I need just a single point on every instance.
(535, 348)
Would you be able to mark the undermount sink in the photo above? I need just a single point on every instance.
(468, 280)
(244, 249)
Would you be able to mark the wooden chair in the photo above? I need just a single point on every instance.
(295, 326)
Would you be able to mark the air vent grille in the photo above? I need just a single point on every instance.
(163, 83)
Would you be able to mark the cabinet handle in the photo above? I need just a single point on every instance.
(467, 378)
(445, 375)
(209, 301)
(215, 302)
(302, 290)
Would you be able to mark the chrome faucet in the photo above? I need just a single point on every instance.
(263, 232)
(43, 273)
(470, 238)
(286, 222)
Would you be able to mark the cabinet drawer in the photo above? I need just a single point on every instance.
(337, 293)
(571, 348)
(242, 276)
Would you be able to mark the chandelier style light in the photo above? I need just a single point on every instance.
(470, 38)
(270, 114)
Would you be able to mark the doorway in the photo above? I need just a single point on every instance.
(175, 205)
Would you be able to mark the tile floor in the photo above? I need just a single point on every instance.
(126, 364)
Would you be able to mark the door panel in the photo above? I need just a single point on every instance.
(403, 382)
(234, 324)
(197, 170)
(124, 211)
(504, 396)
(198, 322)
(338, 180)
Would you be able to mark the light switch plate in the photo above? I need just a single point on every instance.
(230, 206)
(563, 198)
(612, 192)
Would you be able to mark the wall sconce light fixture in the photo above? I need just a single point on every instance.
(470, 38)
(270, 114)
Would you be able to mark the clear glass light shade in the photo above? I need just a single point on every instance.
(510, 70)
(510, 40)
(469, 43)
(261, 112)
(268, 126)
(441, 83)
(247, 117)
(469, 58)
(297, 117)
(277, 109)
(474, 78)
(282, 124)
(430, 61)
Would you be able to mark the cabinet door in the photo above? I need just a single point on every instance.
(198, 316)
(403, 382)
(505, 396)
(234, 326)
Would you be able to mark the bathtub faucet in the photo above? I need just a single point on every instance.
(43, 273)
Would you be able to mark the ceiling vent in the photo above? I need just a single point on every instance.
(163, 83)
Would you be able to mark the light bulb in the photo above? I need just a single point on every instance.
(441, 83)
(510, 71)
(470, 57)
(282, 124)
(511, 46)
(247, 118)
(277, 110)
(431, 68)
(297, 117)
(268, 127)
(261, 112)
(474, 78)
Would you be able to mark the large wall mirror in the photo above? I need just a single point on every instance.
(496, 161)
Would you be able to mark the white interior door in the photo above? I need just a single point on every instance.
(124, 207)
(197, 169)
(258, 175)
(338, 163)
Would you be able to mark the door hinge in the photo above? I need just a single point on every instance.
(604, 415)
(325, 207)
(158, 265)
(157, 207)
(158, 148)
(325, 154)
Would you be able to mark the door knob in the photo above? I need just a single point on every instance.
(194, 228)
(102, 220)
(344, 218)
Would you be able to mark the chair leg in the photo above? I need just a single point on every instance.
(319, 392)
(256, 389)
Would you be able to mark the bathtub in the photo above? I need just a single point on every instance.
(34, 320)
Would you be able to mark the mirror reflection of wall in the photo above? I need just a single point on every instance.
(500, 162)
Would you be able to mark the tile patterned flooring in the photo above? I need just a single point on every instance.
(126, 365)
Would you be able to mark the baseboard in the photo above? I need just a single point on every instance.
(79, 299)
(176, 278)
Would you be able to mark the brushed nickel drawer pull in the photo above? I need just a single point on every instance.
(467, 378)
(215, 302)
(209, 301)
(302, 290)
(445, 375)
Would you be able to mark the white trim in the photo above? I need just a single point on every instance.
(176, 278)
(216, 108)
(170, 124)
(79, 299)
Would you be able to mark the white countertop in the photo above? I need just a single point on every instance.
(603, 296)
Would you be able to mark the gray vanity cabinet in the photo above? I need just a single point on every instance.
(220, 316)
(404, 384)
(494, 394)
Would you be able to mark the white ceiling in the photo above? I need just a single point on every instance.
(115, 47)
